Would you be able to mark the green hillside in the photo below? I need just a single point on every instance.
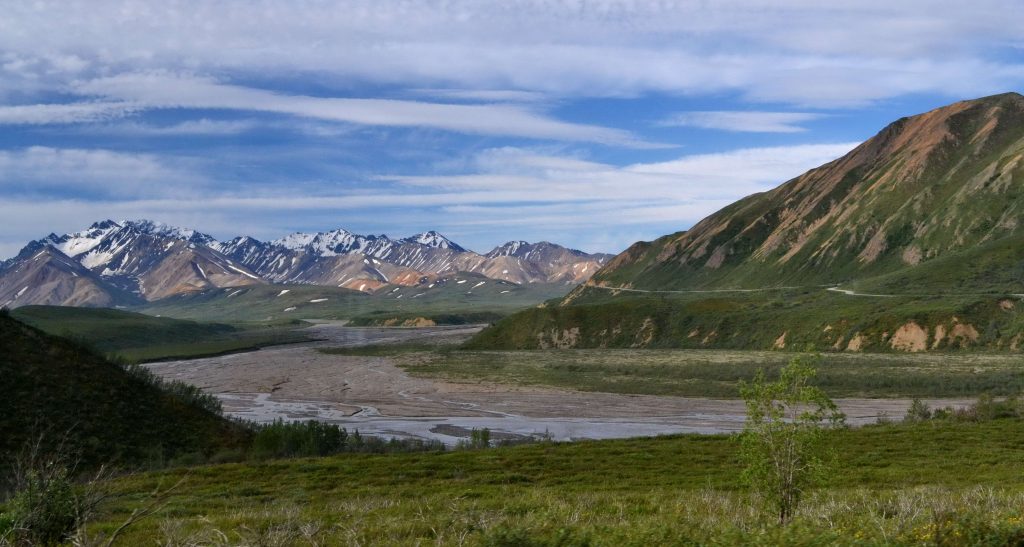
(780, 319)
(140, 337)
(101, 411)
(460, 299)
(926, 217)
(924, 188)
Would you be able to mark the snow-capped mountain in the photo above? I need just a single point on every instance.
(125, 261)
(118, 262)
(435, 240)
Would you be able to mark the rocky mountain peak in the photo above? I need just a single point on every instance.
(434, 240)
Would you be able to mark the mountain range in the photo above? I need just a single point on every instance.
(132, 261)
(920, 229)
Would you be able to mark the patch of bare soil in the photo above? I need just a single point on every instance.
(910, 337)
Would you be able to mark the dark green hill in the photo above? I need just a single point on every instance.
(111, 330)
(140, 337)
(104, 412)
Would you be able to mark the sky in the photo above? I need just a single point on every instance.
(589, 124)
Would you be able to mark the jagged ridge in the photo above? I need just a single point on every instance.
(120, 263)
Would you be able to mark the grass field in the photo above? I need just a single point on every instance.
(711, 373)
(957, 482)
(137, 337)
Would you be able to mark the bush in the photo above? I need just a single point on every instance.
(986, 408)
(44, 508)
(186, 393)
(312, 438)
(918, 412)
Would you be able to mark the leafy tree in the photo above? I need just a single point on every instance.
(782, 443)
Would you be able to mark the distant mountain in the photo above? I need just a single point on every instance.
(343, 259)
(120, 263)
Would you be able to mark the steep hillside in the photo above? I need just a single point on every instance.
(922, 226)
(59, 388)
(924, 187)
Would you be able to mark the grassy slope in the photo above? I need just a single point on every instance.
(453, 302)
(55, 386)
(638, 491)
(139, 337)
(993, 267)
(812, 317)
(927, 210)
(715, 373)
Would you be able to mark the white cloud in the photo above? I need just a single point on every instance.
(202, 126)
(793, 51)
(166, 90)
(41, 114)
(483, 95)
(743, 121)
(537, 177)
(510, 192)
(69, 171)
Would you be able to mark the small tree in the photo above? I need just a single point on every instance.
(918, 412)
(782, 441)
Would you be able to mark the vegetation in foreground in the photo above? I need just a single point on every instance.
(941, 478)
(940, 482)
(102, 411)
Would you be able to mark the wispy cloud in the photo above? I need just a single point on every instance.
(793, 51)
(162, 90)
(41, 171)
(535, 195)
(743, 121)
(202, 126)
(43, 114)
(483, 95)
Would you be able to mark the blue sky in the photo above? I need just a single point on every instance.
(591, 124)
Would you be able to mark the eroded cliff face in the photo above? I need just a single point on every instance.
(924, 187)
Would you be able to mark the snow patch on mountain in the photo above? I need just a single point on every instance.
(435, 240)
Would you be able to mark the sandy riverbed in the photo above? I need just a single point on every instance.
(373, 395)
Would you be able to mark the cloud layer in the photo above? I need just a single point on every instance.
(520, 192)
(591, 123)
(793, 51)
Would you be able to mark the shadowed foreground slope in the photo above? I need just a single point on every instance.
(103, 411)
